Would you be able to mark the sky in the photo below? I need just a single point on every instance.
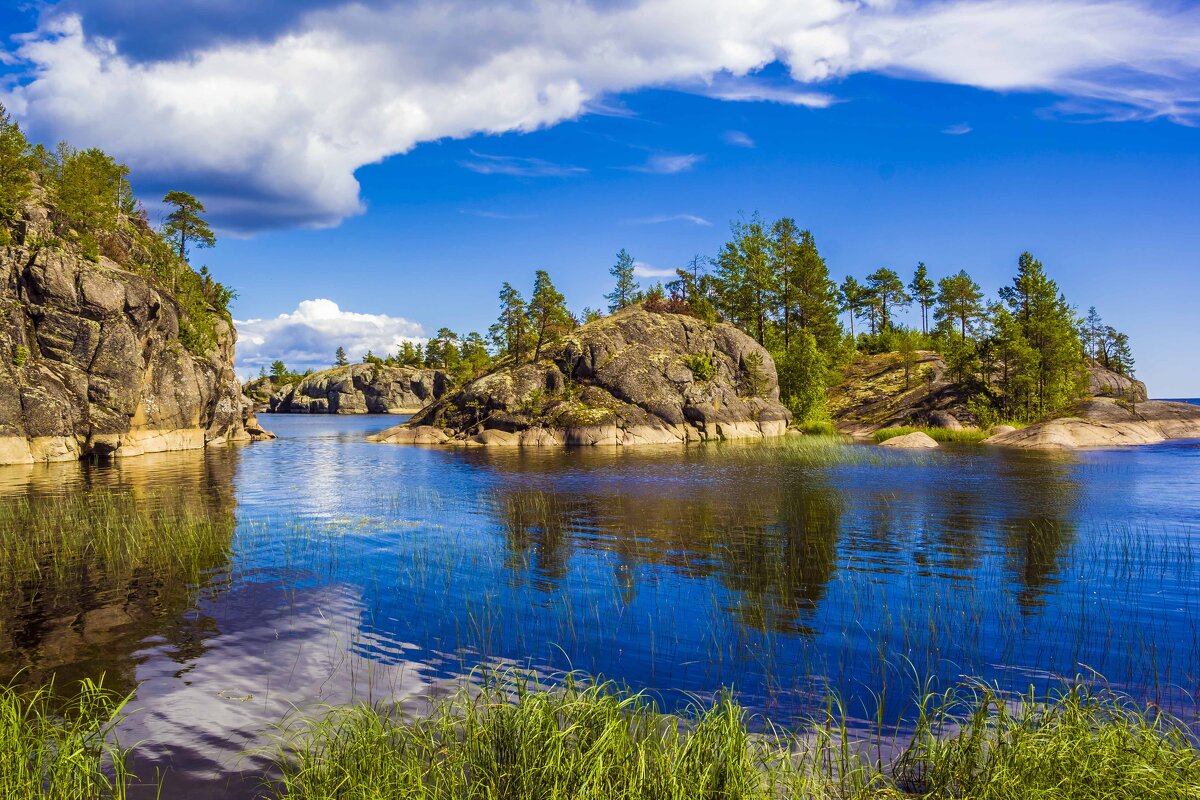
(376, 169)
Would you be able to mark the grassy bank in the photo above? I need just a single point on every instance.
(587, 740)
(508, 738)
(962, 436)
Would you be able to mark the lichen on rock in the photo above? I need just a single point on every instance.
(620, 380)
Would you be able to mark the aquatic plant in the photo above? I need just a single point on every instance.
(61, 748)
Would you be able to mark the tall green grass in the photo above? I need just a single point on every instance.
(61, 748)
(587, 741)
(961, 436)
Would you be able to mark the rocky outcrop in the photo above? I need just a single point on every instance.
(1105, 422)
(636, 377)
(91, 362)
(1106, 383)
(875, 392)
(362, 389)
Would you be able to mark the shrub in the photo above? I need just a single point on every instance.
(702, 366)
(20, 356)
(962, 436)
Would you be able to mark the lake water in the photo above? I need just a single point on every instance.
(786, 570)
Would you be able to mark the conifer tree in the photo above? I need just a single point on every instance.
(340, 359)
(959, 302)
(852, 297)
(625, 293)
(15, 165)
(923, 291)
(548, 315)
(744, 277)
(887, 291)
(510, 333)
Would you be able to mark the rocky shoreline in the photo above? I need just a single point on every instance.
(361, 389)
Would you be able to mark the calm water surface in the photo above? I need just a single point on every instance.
(354, 570)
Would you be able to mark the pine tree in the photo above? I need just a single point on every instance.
(923, 291)
(959, 301)
(887, 290)
(548, 315)
(340, 357)
(16, 161)
(625, 293)
(852, 297)
(510, 333)
(744, 281)
(1093, 333)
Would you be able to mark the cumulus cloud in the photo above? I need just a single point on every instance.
(269, 123)
(691, 219)
(309, 336)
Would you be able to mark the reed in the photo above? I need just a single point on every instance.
(61, 748)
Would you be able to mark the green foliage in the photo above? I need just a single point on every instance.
(186, 224)
(20, 356)
(16, 164)
(625, 293)
(701, 365)
(61, 747)
(959, 302)
(745, 279)
(548, 318)
(339, 358)
(923, 290)
(961, 436)
(884, 293)
(510, 333)
(818, 428)
(803, 377)
(752, 377)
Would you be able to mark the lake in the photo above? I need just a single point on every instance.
(332, 569)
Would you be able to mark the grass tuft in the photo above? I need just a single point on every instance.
(61, 748)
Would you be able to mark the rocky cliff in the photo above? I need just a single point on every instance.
(362, 389)
(636, 377)
(91, 362)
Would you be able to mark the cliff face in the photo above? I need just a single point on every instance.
(636, 377)
(91, 363)
(362, 389)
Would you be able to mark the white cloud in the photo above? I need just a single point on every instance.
(646, 271)
(668, 164)
(659, 220)
(957, 129)
(502, 215)
(309, 336)
(738, 139)
(270, 130)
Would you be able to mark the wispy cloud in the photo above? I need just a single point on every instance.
(750, 89)
(662, 218)
(486, 214)
(667, 163)
(738, 139)
(643, 270)
(957, 129)
(486, 164)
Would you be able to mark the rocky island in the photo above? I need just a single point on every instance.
(635, 377)
(361, 389)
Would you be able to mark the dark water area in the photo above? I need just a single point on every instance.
(340, 570)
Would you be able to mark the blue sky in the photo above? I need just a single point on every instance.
(403, 179)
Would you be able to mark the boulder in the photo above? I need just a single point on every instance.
(636, 377)
(943, 419)
(910, 441)
(1106, 383)
(92, 363)
(362, 389)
